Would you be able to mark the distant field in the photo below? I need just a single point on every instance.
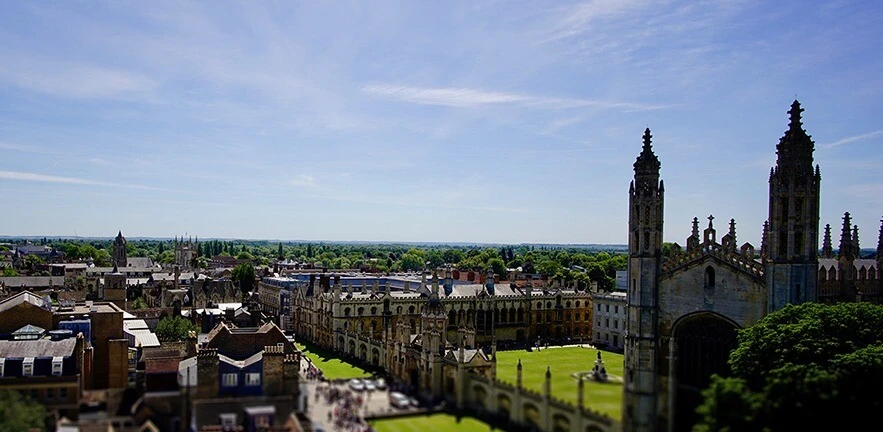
(603, 397)
(330, 364)
(435, 422)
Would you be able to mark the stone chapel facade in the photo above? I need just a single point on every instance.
(684, 309)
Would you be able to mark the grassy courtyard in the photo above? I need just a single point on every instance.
(603, 397)
(331, 365)
(434, 422)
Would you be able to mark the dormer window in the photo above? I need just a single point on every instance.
(57, 366)
(2, 367)
(27, 367)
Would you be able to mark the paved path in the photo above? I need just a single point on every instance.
(320, 404)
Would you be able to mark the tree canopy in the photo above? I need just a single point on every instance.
(175, 328)
(20, 414)
(811, 366)
(243, 274)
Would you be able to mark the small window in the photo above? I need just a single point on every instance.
(228, 420)
(607, 308)
(56, 366)
(252, 379)
(50, 394)
(607, 322)
(2, 366)
(599, 307)
(62, 394)
(230, 379)
(27, 367)
(615, 324)
(615, 309)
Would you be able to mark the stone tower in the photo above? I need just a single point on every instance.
(645, 258)
(119, 251)
(792, 264)
(846, 256)
(433, 326)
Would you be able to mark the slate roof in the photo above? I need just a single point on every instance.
(37, 348)
(23, 297)
(32, 281)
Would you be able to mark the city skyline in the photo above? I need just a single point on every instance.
(490, 122)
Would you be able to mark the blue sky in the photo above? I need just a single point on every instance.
(471, 121)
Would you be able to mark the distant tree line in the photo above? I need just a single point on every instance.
(569, 264)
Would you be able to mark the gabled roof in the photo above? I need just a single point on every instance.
(468, 355)
(22, 297)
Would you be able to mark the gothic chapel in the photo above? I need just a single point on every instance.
(684, 308)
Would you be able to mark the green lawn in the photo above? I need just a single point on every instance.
(603, 397)
(330, 364)
(434, 422)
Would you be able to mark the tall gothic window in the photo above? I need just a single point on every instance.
(709, 277)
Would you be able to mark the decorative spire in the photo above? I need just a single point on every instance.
(846, 245)
(795, 148)
(880, 242)
(710, 219)
(647, 162)
(696, 227)
(733, 230)
(794, 114)
(765, 239)
(858, 249)
(827, 248)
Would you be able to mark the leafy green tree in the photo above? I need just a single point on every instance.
(243, 274)
(19, 414)
(810, 366)
(170, 329)
(32, 261)
(9, 272)
(498, 266)
(139, 303)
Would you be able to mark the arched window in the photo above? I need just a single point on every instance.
(872, 274)
(374, 311)
(709, 277)
(361, 311)
(411, 310)
(346, 312)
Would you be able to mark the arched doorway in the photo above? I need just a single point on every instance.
(703, 341)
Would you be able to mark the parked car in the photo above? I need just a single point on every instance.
(356, 384)
(380, 383)
(369, 385)
(398, 400)
(413, 402)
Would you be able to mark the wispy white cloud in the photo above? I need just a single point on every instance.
(467, 98)
(43, 178)
(855, 138)
(73, 80)
(304, 180)
(579, 18)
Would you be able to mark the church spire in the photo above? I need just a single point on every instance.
(827, 248)
(856, 247)
(794, 114)
(846, 244)
(880, 242)
(647, 162)
(795, 148)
